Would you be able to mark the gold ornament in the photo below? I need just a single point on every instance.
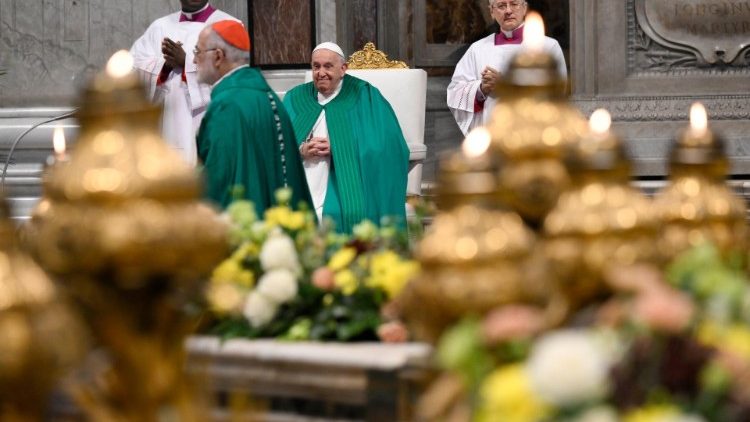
(371, 58)
(600, 222)
(697, 206)
(531, 127)
(40, 337)
(122, 226)
(472, 254)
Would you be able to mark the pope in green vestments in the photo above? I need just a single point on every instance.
(369, 157)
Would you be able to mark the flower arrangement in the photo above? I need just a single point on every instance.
(666, 347)
(287, 277)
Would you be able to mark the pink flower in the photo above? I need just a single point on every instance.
(664, 309)
(512, 322)
(393, 332)
(634, 278)
(323, 278)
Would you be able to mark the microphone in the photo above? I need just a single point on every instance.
(26, 132)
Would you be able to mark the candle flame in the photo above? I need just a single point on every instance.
(533, 32)
(600, 121)
(58, 141)
(477, 142)
(120, 64)
(698, 118)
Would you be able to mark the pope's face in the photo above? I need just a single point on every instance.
(191, 6)
(328, 70)
(509, 14)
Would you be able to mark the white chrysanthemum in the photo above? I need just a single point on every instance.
(279, 286)
(278, 252)
(567, 367)
(259, 310)
(598, 414)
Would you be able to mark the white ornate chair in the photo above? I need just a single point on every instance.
(406, 91)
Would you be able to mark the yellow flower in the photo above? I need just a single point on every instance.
(733, 338)
(507, 396)
(346, 281)
(231, 271)
(245, 250)
(342, 259)
(225, 298)
(283, 216)
(653, 413)
(389, 272)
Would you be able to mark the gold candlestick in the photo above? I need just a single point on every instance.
(40, 338)
(123, 228)
(473, 252)
(532, 126)
(600, 222)
(697, 206)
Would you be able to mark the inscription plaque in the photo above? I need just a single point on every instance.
(716, 31)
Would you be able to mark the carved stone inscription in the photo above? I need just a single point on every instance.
(715, 30)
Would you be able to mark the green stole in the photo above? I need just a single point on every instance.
(344, 149)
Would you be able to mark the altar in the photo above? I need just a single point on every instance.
(313, 381)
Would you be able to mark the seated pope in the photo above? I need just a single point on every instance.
(354, 153)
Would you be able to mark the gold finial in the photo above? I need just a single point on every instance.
(697, 206)
(600, 222)
(371, 58)
(123, 226)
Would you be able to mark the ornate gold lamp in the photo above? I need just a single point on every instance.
(532, 126)
(697, 205)
(600, 222)
(122, 226)
(472, 254)
(40, 338)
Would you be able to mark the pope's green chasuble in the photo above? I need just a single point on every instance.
(370, 158)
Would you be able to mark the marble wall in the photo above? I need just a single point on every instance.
(282, 32)
(48, 48)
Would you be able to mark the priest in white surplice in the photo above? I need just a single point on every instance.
(164, 59)
(471, 91)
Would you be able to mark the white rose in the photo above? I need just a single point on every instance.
(279, 286)
(259, 310)
(567, 367)
(279, 252)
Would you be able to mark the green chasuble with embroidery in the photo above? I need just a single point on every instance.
(247, 140)
(370, 158)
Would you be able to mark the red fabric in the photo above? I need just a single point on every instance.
(233, 33)
(163, 75)
(478, 105)
(515, 38)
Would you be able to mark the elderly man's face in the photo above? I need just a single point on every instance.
(509, 14)
(205, 59)
(328, 70)
(191, 6)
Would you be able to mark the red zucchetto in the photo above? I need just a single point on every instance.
(233, 33)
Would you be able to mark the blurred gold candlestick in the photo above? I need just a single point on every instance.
(532, 126)
(472, 254)
(122, 226)
(600, 222)
(697, 206)
(40, 337)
